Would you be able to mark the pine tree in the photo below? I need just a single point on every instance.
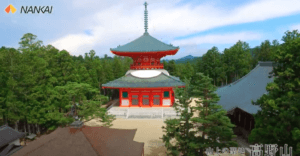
(212, 123)
(192, 135)
(178, 134)
(278, 122)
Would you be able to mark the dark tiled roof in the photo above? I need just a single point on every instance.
(115, 142)
(60, 142)
(145, 43)
(14, 149)
(86, 141)
(8, 134)
(130, 81)
(250, 87)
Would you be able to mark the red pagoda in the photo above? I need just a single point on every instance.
(147, 83)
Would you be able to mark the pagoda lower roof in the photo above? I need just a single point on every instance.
(145, 43)
(130, 81)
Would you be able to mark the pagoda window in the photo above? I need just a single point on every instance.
(139, 63)
(156, 100)
(152, 63)
(166, 94)
(135, 100)
(125, 94)
(145, 100)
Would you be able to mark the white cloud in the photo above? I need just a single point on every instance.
(189, 19)
(228, 38)
(72, 43)
(121, 22)
(295, 27)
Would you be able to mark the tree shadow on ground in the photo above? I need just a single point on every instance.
(157, 148)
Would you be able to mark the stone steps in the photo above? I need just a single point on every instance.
(142, 113)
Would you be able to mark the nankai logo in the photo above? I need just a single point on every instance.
(30, 9)
(35, 9)
(10, 8)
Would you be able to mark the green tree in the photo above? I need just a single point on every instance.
(181, 71)
(117, 68)
(89, 100)
(228, 56)
(212, 63)
(212, 122)
(278, 122)
(199, 65)
(166, 65)
(63, 68)
(191, 135)
(109, 73)
(256, 52)
(223, 71)
(274, 48)
(28, 41)
(9, 77)
(265, 51)
(238, 60)
(126, 64)
(188, 70)
(172, 68)
(178, 135)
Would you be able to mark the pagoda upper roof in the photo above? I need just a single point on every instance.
(145, 43)
(131, 81)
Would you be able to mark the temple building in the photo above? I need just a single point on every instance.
(236, 97)
(147, 83)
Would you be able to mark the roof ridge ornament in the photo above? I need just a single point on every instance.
(146, 18)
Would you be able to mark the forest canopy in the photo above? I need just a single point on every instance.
(36, 80)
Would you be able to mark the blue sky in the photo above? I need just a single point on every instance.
(195, 26)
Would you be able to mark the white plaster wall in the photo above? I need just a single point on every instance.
(125, 102)
(166, 102)
(147, 73)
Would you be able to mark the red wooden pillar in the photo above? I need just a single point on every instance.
(120, 97)
(171, 96)
(150, 98)
(161, 97)
(140, 98)
(129, 98)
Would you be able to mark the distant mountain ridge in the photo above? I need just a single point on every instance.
(192, 59)
(188, 58)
